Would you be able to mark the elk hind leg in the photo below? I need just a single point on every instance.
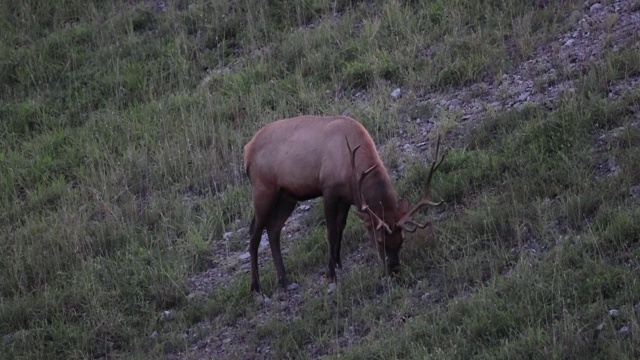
(279, 215)
(262, 203)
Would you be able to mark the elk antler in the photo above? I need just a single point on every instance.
(406, 221)
(361, 204)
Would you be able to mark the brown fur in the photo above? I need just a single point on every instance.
(305, 157)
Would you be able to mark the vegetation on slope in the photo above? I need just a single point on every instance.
(122, 126)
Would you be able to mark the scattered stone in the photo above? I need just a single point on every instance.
(624, 330)
(331, 288)
(305, 207)
(195, 295)
(569, 42)
(595, 7)
(524, 96)
(262, 299)
(454, 104)
(166, 315)
(245, 256)
(154, 334)
(395, 94)
(406, 147)
(425, 297)
(614, 312)
(600, 327)
(226, 236)
(292, 286)
(264, 240)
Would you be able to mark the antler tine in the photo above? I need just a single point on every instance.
(427, 185)
(406, 219)
(362, 205)
(352, 153)
(414, 225)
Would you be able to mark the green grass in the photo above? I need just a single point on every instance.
(121, 154)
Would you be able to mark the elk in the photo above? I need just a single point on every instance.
(305, 157)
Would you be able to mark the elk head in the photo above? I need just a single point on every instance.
(386, 230)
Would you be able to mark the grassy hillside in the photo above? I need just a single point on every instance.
(121, 133)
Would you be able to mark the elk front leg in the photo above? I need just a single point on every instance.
(343, 211)
(331, 209)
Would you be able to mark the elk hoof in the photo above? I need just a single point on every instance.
(291, 287)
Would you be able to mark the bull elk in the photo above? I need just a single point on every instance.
(306, 157)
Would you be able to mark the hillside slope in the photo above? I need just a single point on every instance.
(125, 206)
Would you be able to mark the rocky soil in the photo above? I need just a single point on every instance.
(542, 79)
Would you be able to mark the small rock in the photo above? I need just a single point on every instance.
(226, 236)
(245, 256)
(305, 207)
(226, 341)
(154, 334)
(262, 300)
(614, 312)
(264, 240)
(600, 327)
(425, 297)
(524, 96)
(195, 295)
(406, 147)
(166, 315)
(395, 94)
(292, 286)
(569, 42)
(624, 330)
(331, 288)
(595, 7)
